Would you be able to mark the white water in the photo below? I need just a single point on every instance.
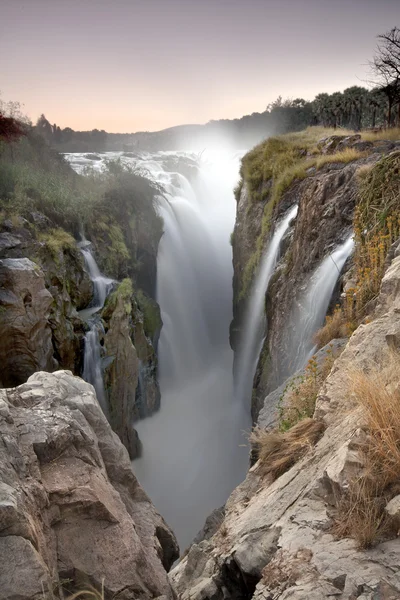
(313, 307)
(255, 323)
(193, 448)
(92, 367)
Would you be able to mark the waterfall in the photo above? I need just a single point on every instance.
(193, 448)
(254, 322)
(92, 367)
(313, 306)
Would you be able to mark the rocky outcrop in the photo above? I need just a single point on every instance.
(25, 306)
(326, 200)
(65, 278)
(121, 376)
(276, 541)
(72, 513)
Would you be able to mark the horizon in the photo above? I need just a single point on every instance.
(151, 65)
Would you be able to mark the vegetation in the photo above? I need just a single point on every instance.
(361, 510)
(271, 167)
(376, 227)
(297, 401)
(57, 241)
(123, 291)
(277, 452)
(151, 314)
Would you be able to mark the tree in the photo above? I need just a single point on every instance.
(386, 67)
(10, 129)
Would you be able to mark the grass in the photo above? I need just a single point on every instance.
(392, 134)
(360, 512)
(272, 167)
(57, 241)
(376, 228)
(298, 399)
(344, 156)
(277, 452)
(339, 324)
(123, 291)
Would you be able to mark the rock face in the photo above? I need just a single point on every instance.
(326, 201)
(72, 513)
(276, 541)
(25, 331)
(121, 377)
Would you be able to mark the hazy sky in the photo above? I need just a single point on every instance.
(129, 65)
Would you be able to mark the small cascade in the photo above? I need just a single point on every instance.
(313, 307)
(92, 365)
(254, 324)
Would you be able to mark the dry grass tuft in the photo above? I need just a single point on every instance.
(361, 513)
(89, 594)
(344, 156)
(379, 394)
(299, 397)
(392, 134)
(336, 326)
(277, 452)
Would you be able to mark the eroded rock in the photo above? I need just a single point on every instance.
(25, 331)
(70, 506)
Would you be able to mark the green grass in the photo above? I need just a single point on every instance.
(57, 241)
(272, 167)
(151, 314)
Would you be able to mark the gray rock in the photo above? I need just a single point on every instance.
(70, 505)
(25, 331)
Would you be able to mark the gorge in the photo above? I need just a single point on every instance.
(145, 313)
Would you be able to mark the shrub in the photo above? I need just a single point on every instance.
(277, 452)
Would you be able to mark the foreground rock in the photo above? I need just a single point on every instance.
(71, 511)
(276, 540)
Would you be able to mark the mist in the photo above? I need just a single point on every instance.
(194, 449)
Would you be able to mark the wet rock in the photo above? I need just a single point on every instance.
(121, 375)
(70, 506)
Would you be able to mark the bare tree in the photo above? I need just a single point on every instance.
(386, 67)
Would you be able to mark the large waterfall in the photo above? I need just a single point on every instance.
(193, 448)
(254, 322)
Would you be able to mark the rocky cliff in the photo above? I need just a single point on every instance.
(72, 513)
(44, 283)
(318, 514)
(323, 179)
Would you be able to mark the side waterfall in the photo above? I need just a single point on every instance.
(92, 367)
(254, 323)
(312, 309)
(193, 448)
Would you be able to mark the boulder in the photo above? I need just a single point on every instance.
(71, 510)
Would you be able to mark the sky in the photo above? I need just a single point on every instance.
(144, 65)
